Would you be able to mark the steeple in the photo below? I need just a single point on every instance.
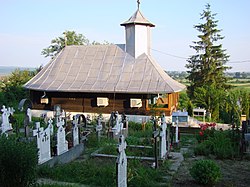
(138, 33)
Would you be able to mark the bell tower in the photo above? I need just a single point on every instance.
(138, 34)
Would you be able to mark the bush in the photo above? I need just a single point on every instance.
(220, 145)
(205, 172)
(18, 162)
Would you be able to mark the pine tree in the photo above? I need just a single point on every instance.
(207, 67)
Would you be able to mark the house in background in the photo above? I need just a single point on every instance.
(106, 78)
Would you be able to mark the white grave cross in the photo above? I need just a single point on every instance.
(62, 143)
(51, 126)
(75, 132)
(29, 114)
(121, 163)
(6, 125)
(163, 148)
(43, 143)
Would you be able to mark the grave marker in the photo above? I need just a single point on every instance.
(163, 141)
(6, 125)
(62, 143)
(98, 127)
(156, 134)
(43, 143)
(75, 131)
(27, 121)
(121, 163)
(116, 124)
(51, 126)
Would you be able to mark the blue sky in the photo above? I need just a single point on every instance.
(28, 26)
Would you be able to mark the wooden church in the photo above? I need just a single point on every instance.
(106, 78)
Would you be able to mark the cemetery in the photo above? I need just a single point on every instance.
(119, 151)
(108, 115)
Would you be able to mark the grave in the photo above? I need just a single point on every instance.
(6, 125)
(155, 136)
(50, 121)
(246, 136)
(62, 143)
(27, 121)
(163, 139)
(75, 131)
(43, 143)
(99, 127)
(121, 163)
(117, 125)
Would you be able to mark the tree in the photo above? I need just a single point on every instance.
(68, 38)
(12, 87)
(207, 67)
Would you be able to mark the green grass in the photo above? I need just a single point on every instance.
(102, 172)
(55, 185)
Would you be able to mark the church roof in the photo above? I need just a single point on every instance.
(102, 68)
(137, 18)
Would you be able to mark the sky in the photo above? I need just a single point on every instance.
(28, 26)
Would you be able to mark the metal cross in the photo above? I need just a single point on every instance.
(138, 3)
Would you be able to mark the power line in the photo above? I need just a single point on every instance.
(176, 56)
(169, 54)
(238, 62)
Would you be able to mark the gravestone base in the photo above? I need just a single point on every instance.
(66, 157)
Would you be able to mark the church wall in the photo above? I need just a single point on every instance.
(87, 102)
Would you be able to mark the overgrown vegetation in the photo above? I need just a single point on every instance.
(205, 172)
(11, 87)
(101, 172)
(18, 162)
(222, 144)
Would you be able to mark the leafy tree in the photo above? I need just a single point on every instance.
(207, 67)
(12, 87)
(68, 38)
(245, 103)
(235, 103)
(208, 97)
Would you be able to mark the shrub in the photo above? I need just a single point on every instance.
(18, 162)
(220, 145)
(205, 172)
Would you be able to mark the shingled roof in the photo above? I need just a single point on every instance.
(102, 68)
(137, 18)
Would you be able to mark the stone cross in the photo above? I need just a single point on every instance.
(98, 128)
(117, 129)
(6, 125)
(155, 136)
(43, 143)
(29, 114)
(27, 121)
(163, 142)
(51, 126)
(62, 143)
(121, 163)
(177, 130)
(75, 131)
